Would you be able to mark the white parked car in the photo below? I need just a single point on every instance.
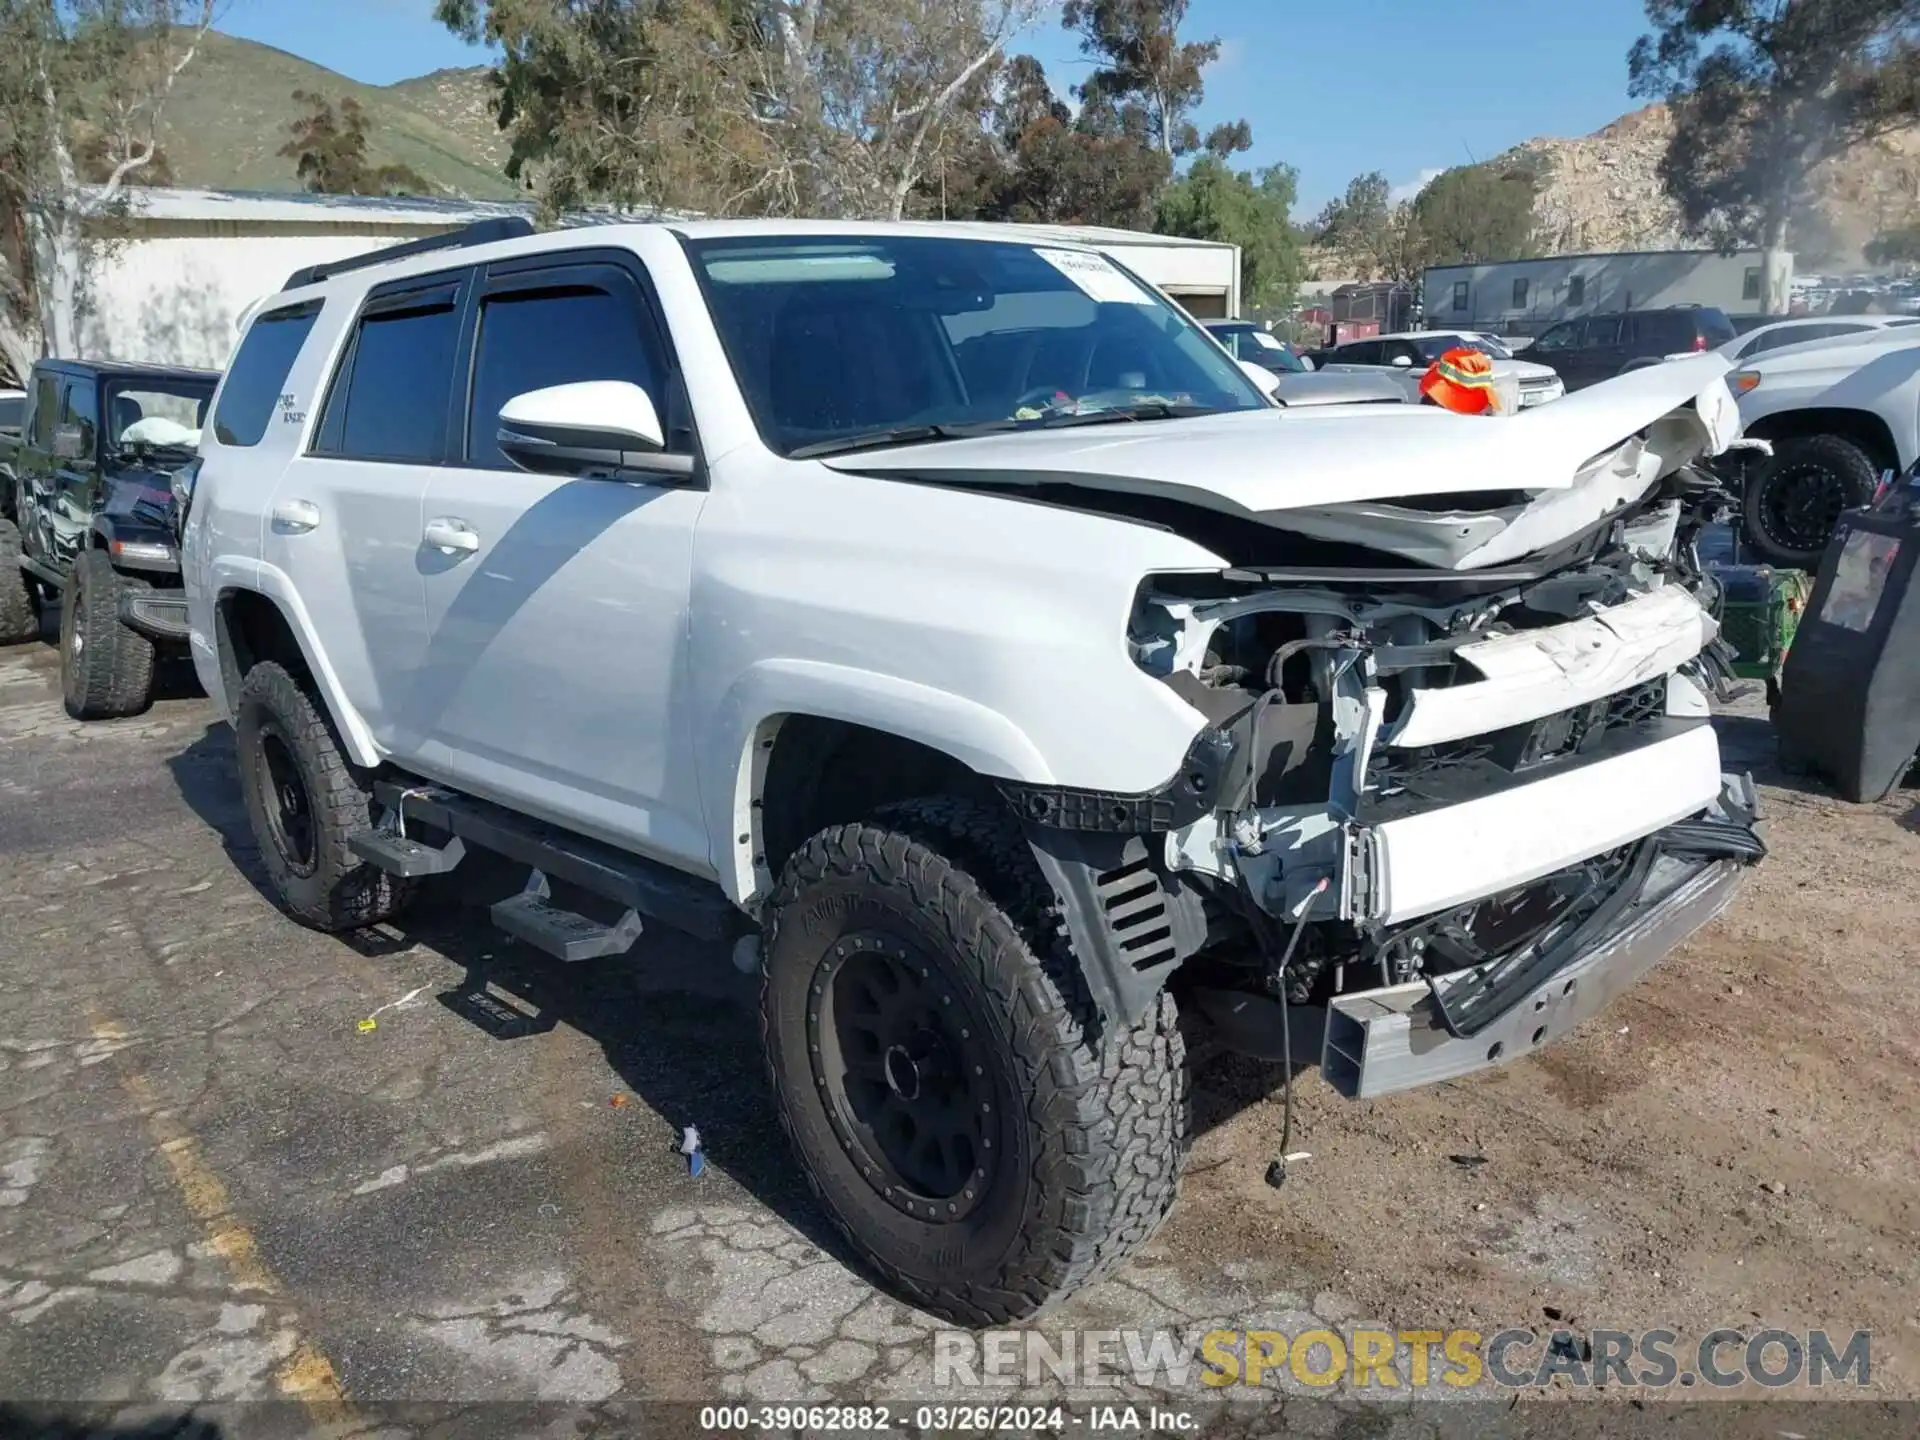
(952, 627)
(1839, 412)
(1415, 351)
(1807, 328)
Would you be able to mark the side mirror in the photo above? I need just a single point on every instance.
(1401, 362)
(1268, 382)
(591, 426)
(69, 443)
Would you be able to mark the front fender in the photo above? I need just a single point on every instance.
(732, 754)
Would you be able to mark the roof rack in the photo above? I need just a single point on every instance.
(481, 232)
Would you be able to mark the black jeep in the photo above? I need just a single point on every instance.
(87, 516)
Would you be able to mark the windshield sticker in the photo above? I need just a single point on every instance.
(1097, 277)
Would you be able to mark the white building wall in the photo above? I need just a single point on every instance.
(177, 299)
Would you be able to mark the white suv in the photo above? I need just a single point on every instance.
(948, 623)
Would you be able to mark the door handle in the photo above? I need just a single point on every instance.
(297, 516)
(452, 535)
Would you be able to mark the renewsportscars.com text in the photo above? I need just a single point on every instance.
(1409, 1360)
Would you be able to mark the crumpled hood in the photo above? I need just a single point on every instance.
(1277, 463)
(1263, 463)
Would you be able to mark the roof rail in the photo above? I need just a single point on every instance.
(481, 232)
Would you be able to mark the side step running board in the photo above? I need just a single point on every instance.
(642, 887)
(410, 859)
(564, 934)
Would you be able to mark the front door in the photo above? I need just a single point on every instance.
(556, 608)
(59, 470)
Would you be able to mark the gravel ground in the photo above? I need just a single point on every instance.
(220, 1183)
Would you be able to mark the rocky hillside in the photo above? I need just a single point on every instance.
(463, 102)
(1602, 191)
(228, 117)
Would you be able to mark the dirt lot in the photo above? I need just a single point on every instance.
(219, 1183)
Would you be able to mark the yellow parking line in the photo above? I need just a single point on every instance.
(306, 1375)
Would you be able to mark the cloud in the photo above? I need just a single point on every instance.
(1232, 51)
(1410, 188)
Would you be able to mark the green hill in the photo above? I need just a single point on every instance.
(227, 118)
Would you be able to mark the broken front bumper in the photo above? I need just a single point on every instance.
(1396, 1038)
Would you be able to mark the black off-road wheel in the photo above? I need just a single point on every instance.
(1794, 497)
(19, 616)
(979, 1138)
(304, 798)
(106, 667)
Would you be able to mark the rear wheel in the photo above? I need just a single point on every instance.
(19, 616)
(106, 666)
(304, 799)
(1794, 497)
(975, 1133)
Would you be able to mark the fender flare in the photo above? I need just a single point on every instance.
(231, 575)
(732, 762)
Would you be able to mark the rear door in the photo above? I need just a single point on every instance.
(345, 519)
(556, 607)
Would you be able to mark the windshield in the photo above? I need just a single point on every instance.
(1432, 347)
(838, 341)
(157, 414)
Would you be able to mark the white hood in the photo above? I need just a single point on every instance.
(1261, 464)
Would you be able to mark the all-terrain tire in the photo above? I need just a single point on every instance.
(106, 666)
(296, 779)
(1794, 496)
(1095, 1119)
(19, 616)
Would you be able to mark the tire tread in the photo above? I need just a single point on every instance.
(1110, 1108)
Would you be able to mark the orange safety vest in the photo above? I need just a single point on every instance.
(1460, 380)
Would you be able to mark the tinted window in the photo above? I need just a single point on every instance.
(258, 373)
(12, 409)
(1602, 330)
(392, 402)
(1564, 336)
(1576, 290)
(535, 338)
(1459, 294)
(1519, 294)
(1794, 335)
(79, 410)
(45, 403)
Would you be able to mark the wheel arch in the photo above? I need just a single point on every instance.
(918, 733)
(1862, 428)
(254, 623)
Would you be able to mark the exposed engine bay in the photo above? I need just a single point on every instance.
(1448, 783)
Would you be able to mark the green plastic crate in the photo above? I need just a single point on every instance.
(1759, 613)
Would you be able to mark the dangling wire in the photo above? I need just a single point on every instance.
(1277, 1171)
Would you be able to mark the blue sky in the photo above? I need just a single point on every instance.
(1401, 86)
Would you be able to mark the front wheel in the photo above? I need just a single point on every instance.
(106, 666)
(304, 799)
(1794, 497)
(981, 1140)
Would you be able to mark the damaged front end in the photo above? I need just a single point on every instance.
(1477, 775)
